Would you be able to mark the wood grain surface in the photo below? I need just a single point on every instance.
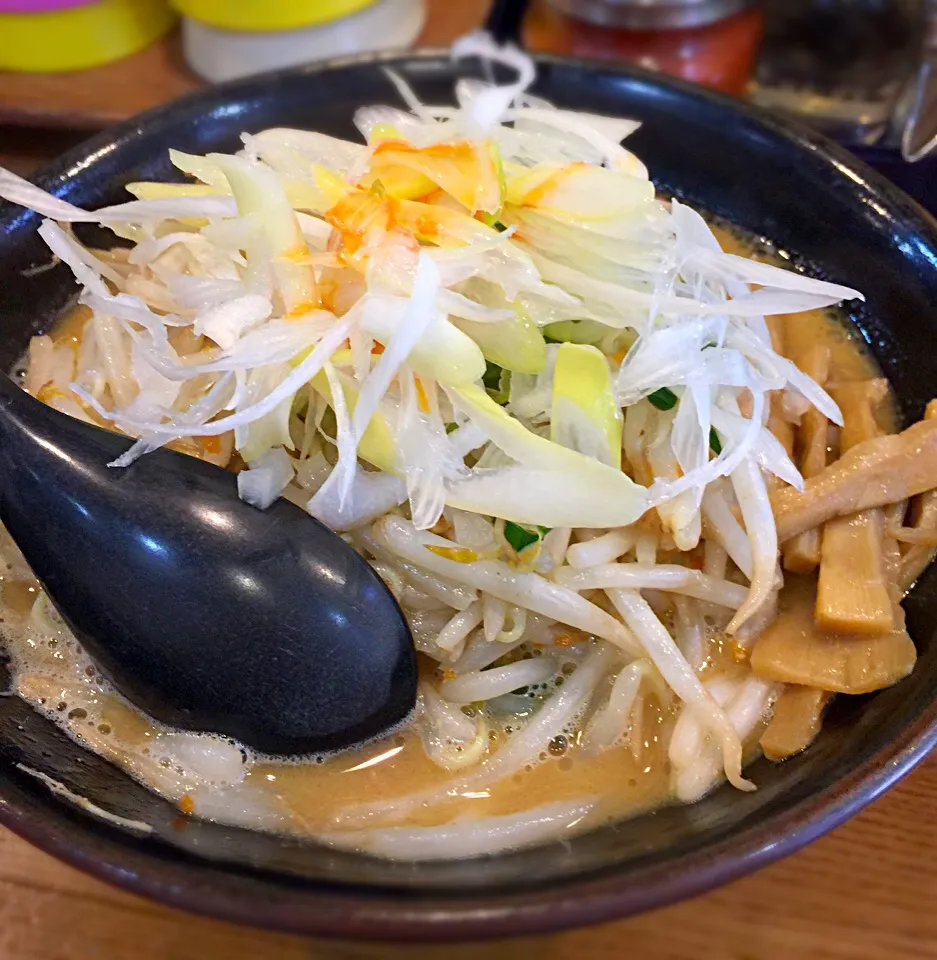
(866, 892)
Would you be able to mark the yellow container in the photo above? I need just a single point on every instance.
(80, 37)
(268, 15)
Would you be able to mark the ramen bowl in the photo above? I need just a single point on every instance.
(833, 217)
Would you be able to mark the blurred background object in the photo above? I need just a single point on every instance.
(863, 71)
(712, 42)
(919, 129)
(842, 65)
(223, 39)
(43, 36)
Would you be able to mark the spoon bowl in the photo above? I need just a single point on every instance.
(209, 614)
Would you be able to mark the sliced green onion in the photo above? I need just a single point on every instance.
(584, 414)
(491, 220)
(663, 399)
(715, 444)
(588, 494)
(515, 344)
(492, 377)
(575, 331)
(497, 382)
(521, 537)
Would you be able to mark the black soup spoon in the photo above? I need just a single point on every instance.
(207, 613)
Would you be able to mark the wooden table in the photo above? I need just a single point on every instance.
(867, 892)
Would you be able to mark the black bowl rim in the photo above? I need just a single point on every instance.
(209, 890)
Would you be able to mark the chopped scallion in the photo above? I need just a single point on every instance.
(497, 382)
(521, 537)
(663, 399)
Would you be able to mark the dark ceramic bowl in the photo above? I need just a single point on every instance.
(841, 220)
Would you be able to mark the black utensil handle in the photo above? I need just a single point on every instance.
(505, 20)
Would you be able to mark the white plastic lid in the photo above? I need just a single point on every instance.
(219, 55)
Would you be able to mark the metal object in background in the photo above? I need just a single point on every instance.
(919, 125)
(651, 14)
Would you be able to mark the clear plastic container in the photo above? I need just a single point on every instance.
(224, 40)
